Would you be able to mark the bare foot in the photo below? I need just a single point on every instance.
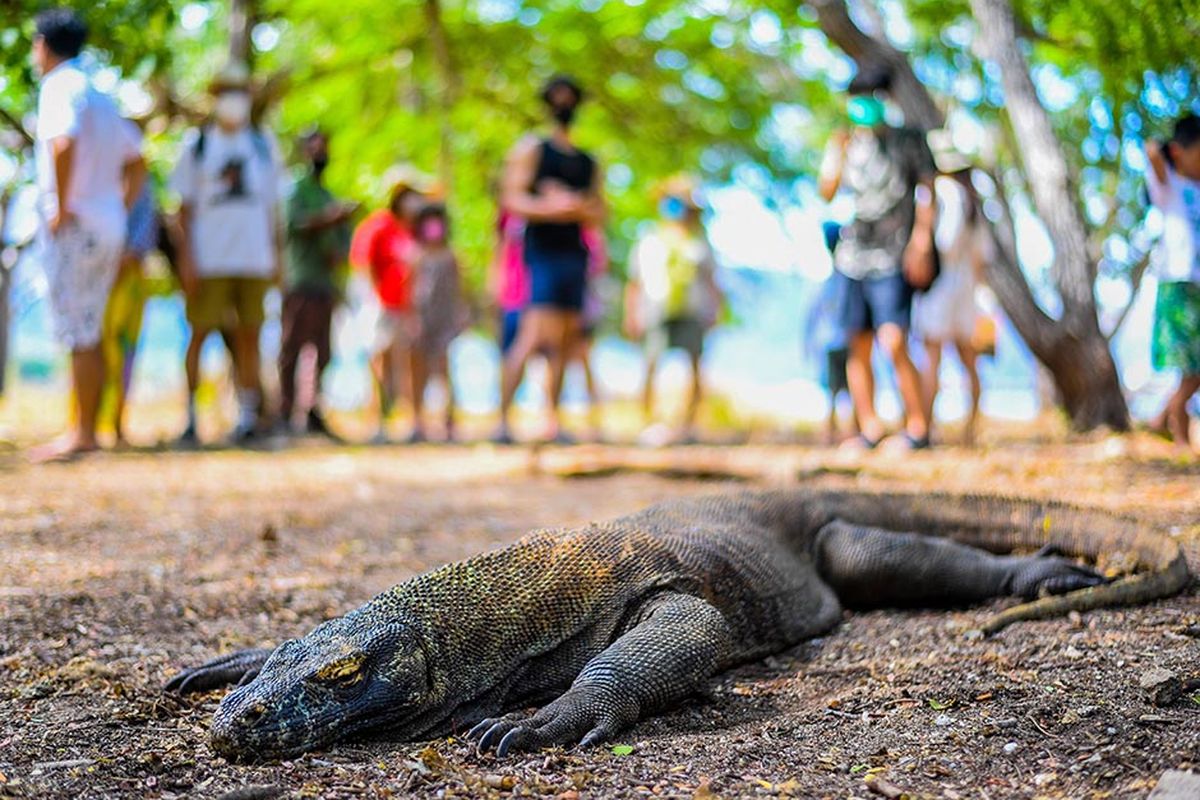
(60, 451)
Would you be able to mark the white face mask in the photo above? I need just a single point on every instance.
(233, 108)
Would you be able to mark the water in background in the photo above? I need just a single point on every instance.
(759, 363)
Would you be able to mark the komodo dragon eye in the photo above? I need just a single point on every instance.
(345, 671)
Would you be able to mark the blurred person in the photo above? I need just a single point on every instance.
(885, 253)
(557, 189)
(230, 246)
(593, 313)
(946, 314)
(439, 312)
(122, 326)
(509, 279)
(672, 298)
(385, 245)
(318, 242)
(1173, 183)
(825, 336)
(89, 172)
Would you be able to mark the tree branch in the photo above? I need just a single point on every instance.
(1136, 275)
(13, 122)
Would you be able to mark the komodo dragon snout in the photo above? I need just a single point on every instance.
(340, 680)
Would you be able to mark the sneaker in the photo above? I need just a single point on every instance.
(315, 425)
(503, 436)
(245, 434)
(188, 438)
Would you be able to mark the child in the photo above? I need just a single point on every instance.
(439, 313)
(1173, 183)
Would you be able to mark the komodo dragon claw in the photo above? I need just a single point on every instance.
(235, 668)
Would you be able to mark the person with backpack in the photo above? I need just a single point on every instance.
(230, 239)
(557, 189)
(886, 253)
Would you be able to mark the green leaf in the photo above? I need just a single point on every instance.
(622, 749)
(938, 705)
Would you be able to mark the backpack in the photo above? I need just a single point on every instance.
(261, 148)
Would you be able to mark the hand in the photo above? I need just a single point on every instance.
(189, 281)
(61, 220)
(918, 262)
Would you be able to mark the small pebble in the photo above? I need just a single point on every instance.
(943, 720)
(1011, 748)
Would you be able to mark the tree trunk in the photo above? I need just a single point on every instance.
(241, 23)
(1072, 349)
(1079, 356)
(444, 69)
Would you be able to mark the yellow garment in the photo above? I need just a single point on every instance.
(121, 329)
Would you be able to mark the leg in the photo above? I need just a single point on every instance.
(648, 388)
(677, 644)
(694, 397)
(291, 341)
(442, 367)
(1177, 414)
(531, 335)
(862, 385)
(419, 367)
(564, 334)
(87, 371)
(248, 383)
(970, 359)
(872, 567)
(931, 378)
(894, 340)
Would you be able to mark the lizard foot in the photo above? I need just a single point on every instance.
(1041, 574)
(240, 667)
(585, 714)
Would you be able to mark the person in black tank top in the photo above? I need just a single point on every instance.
(555, 187)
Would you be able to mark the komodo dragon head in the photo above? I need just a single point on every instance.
(346, 677)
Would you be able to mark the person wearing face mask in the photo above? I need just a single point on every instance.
(556, 188)
(439, 313)
(89, 173)
(672, 298)
(229, 239)
(885, 254)
(318, 240)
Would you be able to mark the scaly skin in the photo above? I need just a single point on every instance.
(610, 622)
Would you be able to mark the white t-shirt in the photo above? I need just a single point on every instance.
(68, 105)
(1178, 254)
(233, 191)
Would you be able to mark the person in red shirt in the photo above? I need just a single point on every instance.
(384, 244)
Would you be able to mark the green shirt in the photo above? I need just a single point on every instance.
(313, 257)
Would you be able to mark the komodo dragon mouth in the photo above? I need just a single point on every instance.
(612, 622)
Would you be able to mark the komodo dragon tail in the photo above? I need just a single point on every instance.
(1149, 562)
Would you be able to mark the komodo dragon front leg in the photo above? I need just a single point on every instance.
(871, 567)
(675, 645)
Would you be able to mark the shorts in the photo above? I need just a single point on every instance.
(870, 303)
(685, 333)
(510, 322)
(80, 269)
(1175, 341)
(557, 279)
(228, 302)
(395, 327)
(946, 311)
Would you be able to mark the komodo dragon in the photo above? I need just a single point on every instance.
(610, 622)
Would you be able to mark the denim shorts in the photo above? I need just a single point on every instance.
(869, 303)
(557, 278)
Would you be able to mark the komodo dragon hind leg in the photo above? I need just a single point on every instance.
(234, 668)
(677, 644)
(873, 567)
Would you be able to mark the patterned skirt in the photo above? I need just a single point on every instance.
(1176, 339)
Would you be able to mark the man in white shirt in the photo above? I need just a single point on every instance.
(229, 238)
(89, 171)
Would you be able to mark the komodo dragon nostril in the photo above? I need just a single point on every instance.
(254, 713)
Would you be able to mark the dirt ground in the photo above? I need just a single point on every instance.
(121, 568)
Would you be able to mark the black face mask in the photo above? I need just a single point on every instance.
(319, 163)
(564, 114)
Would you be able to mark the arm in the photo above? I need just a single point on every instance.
(1158, 159)
(134, 179)
(830, 179)
(515, 196)
(62, 151)
(594, 208)
(918, 255)
(189, 279)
